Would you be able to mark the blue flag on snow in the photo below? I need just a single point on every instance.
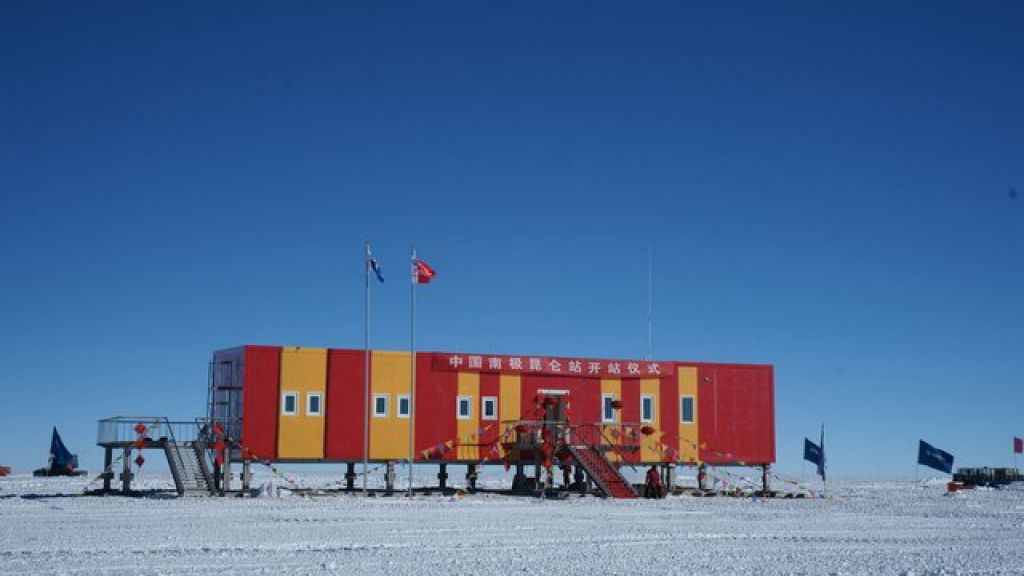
(815, 453)
(932, 457)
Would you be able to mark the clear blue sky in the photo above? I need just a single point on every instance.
(828, 187)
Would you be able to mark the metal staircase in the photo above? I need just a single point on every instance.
(604, 474)
(188, 467)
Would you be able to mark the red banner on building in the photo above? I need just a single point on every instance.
(547, 365)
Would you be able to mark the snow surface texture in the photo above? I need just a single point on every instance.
(866, 527)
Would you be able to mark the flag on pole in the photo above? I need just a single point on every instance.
(1018, 445)
(422, 273)
(932, 457)
(821, 463)
(814, 455)
(374, 265)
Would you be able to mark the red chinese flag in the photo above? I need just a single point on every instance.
(1018, 445)
(422, 273)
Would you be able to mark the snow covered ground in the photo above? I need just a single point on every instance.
(866, 527)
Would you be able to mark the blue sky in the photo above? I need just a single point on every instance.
(827, 187)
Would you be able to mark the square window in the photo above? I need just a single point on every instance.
(647, 408)
(463, 405)
(686, 409)
(607, 410)
(403, 405)
(380, 405)
(290, 403)
(313, 404)
(489, 410)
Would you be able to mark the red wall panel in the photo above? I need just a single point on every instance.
(435, 405)
(736, 420)
(262, 372)
(345, 408)
(668, 420)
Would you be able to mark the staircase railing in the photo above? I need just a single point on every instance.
(120, 430)
(595, 435)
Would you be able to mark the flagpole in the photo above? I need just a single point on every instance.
(366, 368)
(824, 462)
(650, 302)
(412, 364)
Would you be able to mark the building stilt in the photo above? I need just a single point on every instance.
(246, 475)
(108, 470)
(389, 479)
(471, 476)
(519, 480)
(442, 476)
(227, 471)
(126, 473)
(350, 476)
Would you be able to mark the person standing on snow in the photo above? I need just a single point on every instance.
(652, 485)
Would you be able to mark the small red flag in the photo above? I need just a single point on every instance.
(139, 460)
(140, 428)
(1018, 445)
(422, 273)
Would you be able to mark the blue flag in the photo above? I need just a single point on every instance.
(371, 263)
(815, 453)
(376, 268)
(932, 457)
(812, 452)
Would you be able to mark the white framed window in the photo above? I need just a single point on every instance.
(489, 408)
(289, 403)
(647, 408)
(380, 405)
(314, 404)
(686, 409)
(607, 410)
(464, 407)
(404, 405)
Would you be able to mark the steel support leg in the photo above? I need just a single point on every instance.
(108, 471)
(126, 474)
(350, 476)
(389, 479)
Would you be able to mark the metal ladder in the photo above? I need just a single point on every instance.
(605, 475)
(188, 467)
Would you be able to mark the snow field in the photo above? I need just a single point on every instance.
(867, 527)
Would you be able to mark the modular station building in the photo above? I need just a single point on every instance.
(313, 405)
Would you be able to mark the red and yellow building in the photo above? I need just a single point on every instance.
(308, 404)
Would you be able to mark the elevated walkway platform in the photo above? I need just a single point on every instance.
(184, 445)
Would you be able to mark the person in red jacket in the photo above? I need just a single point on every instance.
(652, 485)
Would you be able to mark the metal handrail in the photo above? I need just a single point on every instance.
(121, 429)
(599, 427)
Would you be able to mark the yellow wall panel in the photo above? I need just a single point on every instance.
(469, 385)
(649, 450)
(389, 436)
(611, 386)
(509, 400)
(303, 371)
(688, 438)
